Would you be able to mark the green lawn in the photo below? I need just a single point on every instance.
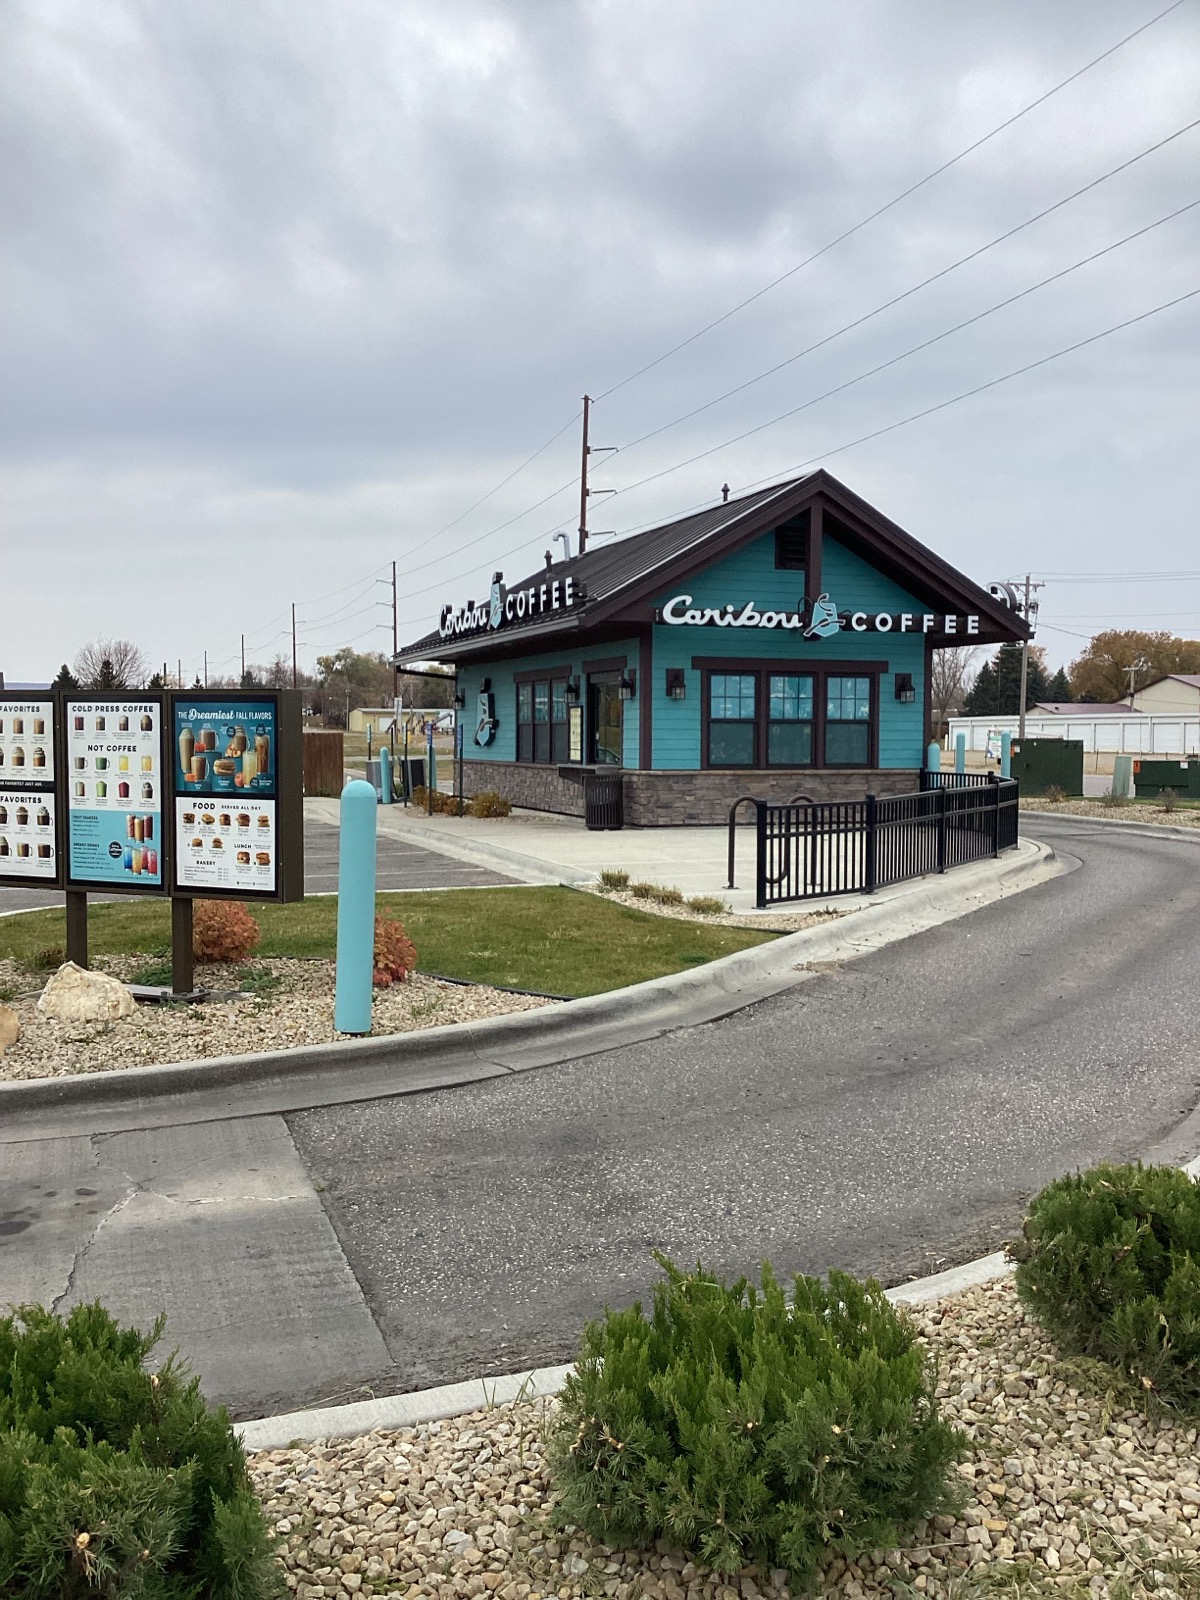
(559, 941)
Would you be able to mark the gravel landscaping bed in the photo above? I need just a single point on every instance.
(1065, 1493)
(762, 922)
(298, 1011)
(1182, 817)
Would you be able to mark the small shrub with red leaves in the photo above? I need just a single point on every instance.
(395, 953)
(222, 930)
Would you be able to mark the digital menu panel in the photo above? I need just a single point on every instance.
(114, 783)
(226, 765)
(28, 831)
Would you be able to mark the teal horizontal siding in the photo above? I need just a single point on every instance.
(504, 689)
(751, 574)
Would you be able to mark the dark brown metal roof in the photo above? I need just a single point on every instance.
(613, 575)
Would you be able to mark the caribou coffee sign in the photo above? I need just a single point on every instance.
(824, 621)
(510, 605)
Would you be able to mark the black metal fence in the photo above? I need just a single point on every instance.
(857, 846)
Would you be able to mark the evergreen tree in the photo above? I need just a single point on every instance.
(981, 701)
(66, 680)
(1060, 687)
(997, 689)
(157, 682)
(106, 678)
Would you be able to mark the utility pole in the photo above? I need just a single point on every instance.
(206, 669)
(243, 679)
(178, 673)
(585, 493)
(395, 641)
(1029, 611)
(294, 674)
(583, 475)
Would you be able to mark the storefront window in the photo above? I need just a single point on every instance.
(847, 722)
(732, 711)
(790, 721)
(542, 720)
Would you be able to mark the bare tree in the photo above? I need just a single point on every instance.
(111, 664)
(950, 675)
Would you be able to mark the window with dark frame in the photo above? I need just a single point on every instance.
(732, 718)
(542, 731)
(847, 722)
(762, 717)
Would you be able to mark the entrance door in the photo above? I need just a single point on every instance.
(606, 735)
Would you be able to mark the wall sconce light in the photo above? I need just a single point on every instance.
(676, 683)
(573, 691)
(905, 692)
(628, 685)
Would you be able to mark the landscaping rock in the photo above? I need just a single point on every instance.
(74, 995)
(10, 1028)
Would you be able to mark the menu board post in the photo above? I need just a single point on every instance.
(77, 927)
(183, 969)
(30, 817)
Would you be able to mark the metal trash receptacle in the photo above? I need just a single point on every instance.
(603, 800)
(374, 777)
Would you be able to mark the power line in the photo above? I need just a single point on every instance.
(924, 283)
(912, 351)
(904, 195)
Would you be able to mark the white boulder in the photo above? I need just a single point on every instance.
(75, 995)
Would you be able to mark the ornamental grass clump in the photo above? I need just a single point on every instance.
(1109, 1264)
(741, 1428)
(115, 1482)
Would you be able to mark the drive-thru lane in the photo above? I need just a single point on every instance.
(890, 1117)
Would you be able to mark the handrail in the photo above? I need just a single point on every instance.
(750, 799)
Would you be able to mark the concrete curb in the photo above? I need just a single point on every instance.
(1143, 830)
(457, 1053)
(481, 1394)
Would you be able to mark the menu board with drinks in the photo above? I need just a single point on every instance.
(28, 815)
(226, 794)
(114, 782)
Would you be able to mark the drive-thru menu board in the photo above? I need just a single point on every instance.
(28, 815)
(225, 756)
(114, 779)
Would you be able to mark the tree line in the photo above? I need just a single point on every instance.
(343, 681)
(1114, 664)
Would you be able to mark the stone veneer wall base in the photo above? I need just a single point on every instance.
(674, 799)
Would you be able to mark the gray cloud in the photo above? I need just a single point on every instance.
(301, 281)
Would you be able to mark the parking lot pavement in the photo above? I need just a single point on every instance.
(400, 865)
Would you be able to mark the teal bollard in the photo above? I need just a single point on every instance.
(356, 909)
(960, 752)
(933, 757)
(1006, 755)
(385, 775)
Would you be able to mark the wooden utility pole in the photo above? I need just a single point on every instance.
(1029, 611)
(583, 476)
(294, 674)
(395, 641)
(243, 679)
(206, 669)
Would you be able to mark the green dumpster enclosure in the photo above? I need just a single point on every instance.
(1041, 764)
(1151, 778)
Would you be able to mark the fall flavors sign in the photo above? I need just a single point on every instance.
(225, 795)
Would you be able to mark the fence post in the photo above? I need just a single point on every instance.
(941, 829)
(760, 857)
(994, 791)
(871, 843)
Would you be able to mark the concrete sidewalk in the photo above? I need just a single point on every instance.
(543, 847)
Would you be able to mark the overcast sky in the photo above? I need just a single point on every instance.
(287, 287)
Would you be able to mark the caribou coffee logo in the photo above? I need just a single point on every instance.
(504, 606)
(825, 620)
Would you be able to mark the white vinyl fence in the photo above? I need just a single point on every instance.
(1138, 734)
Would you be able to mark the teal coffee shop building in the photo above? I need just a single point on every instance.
(773, 645)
